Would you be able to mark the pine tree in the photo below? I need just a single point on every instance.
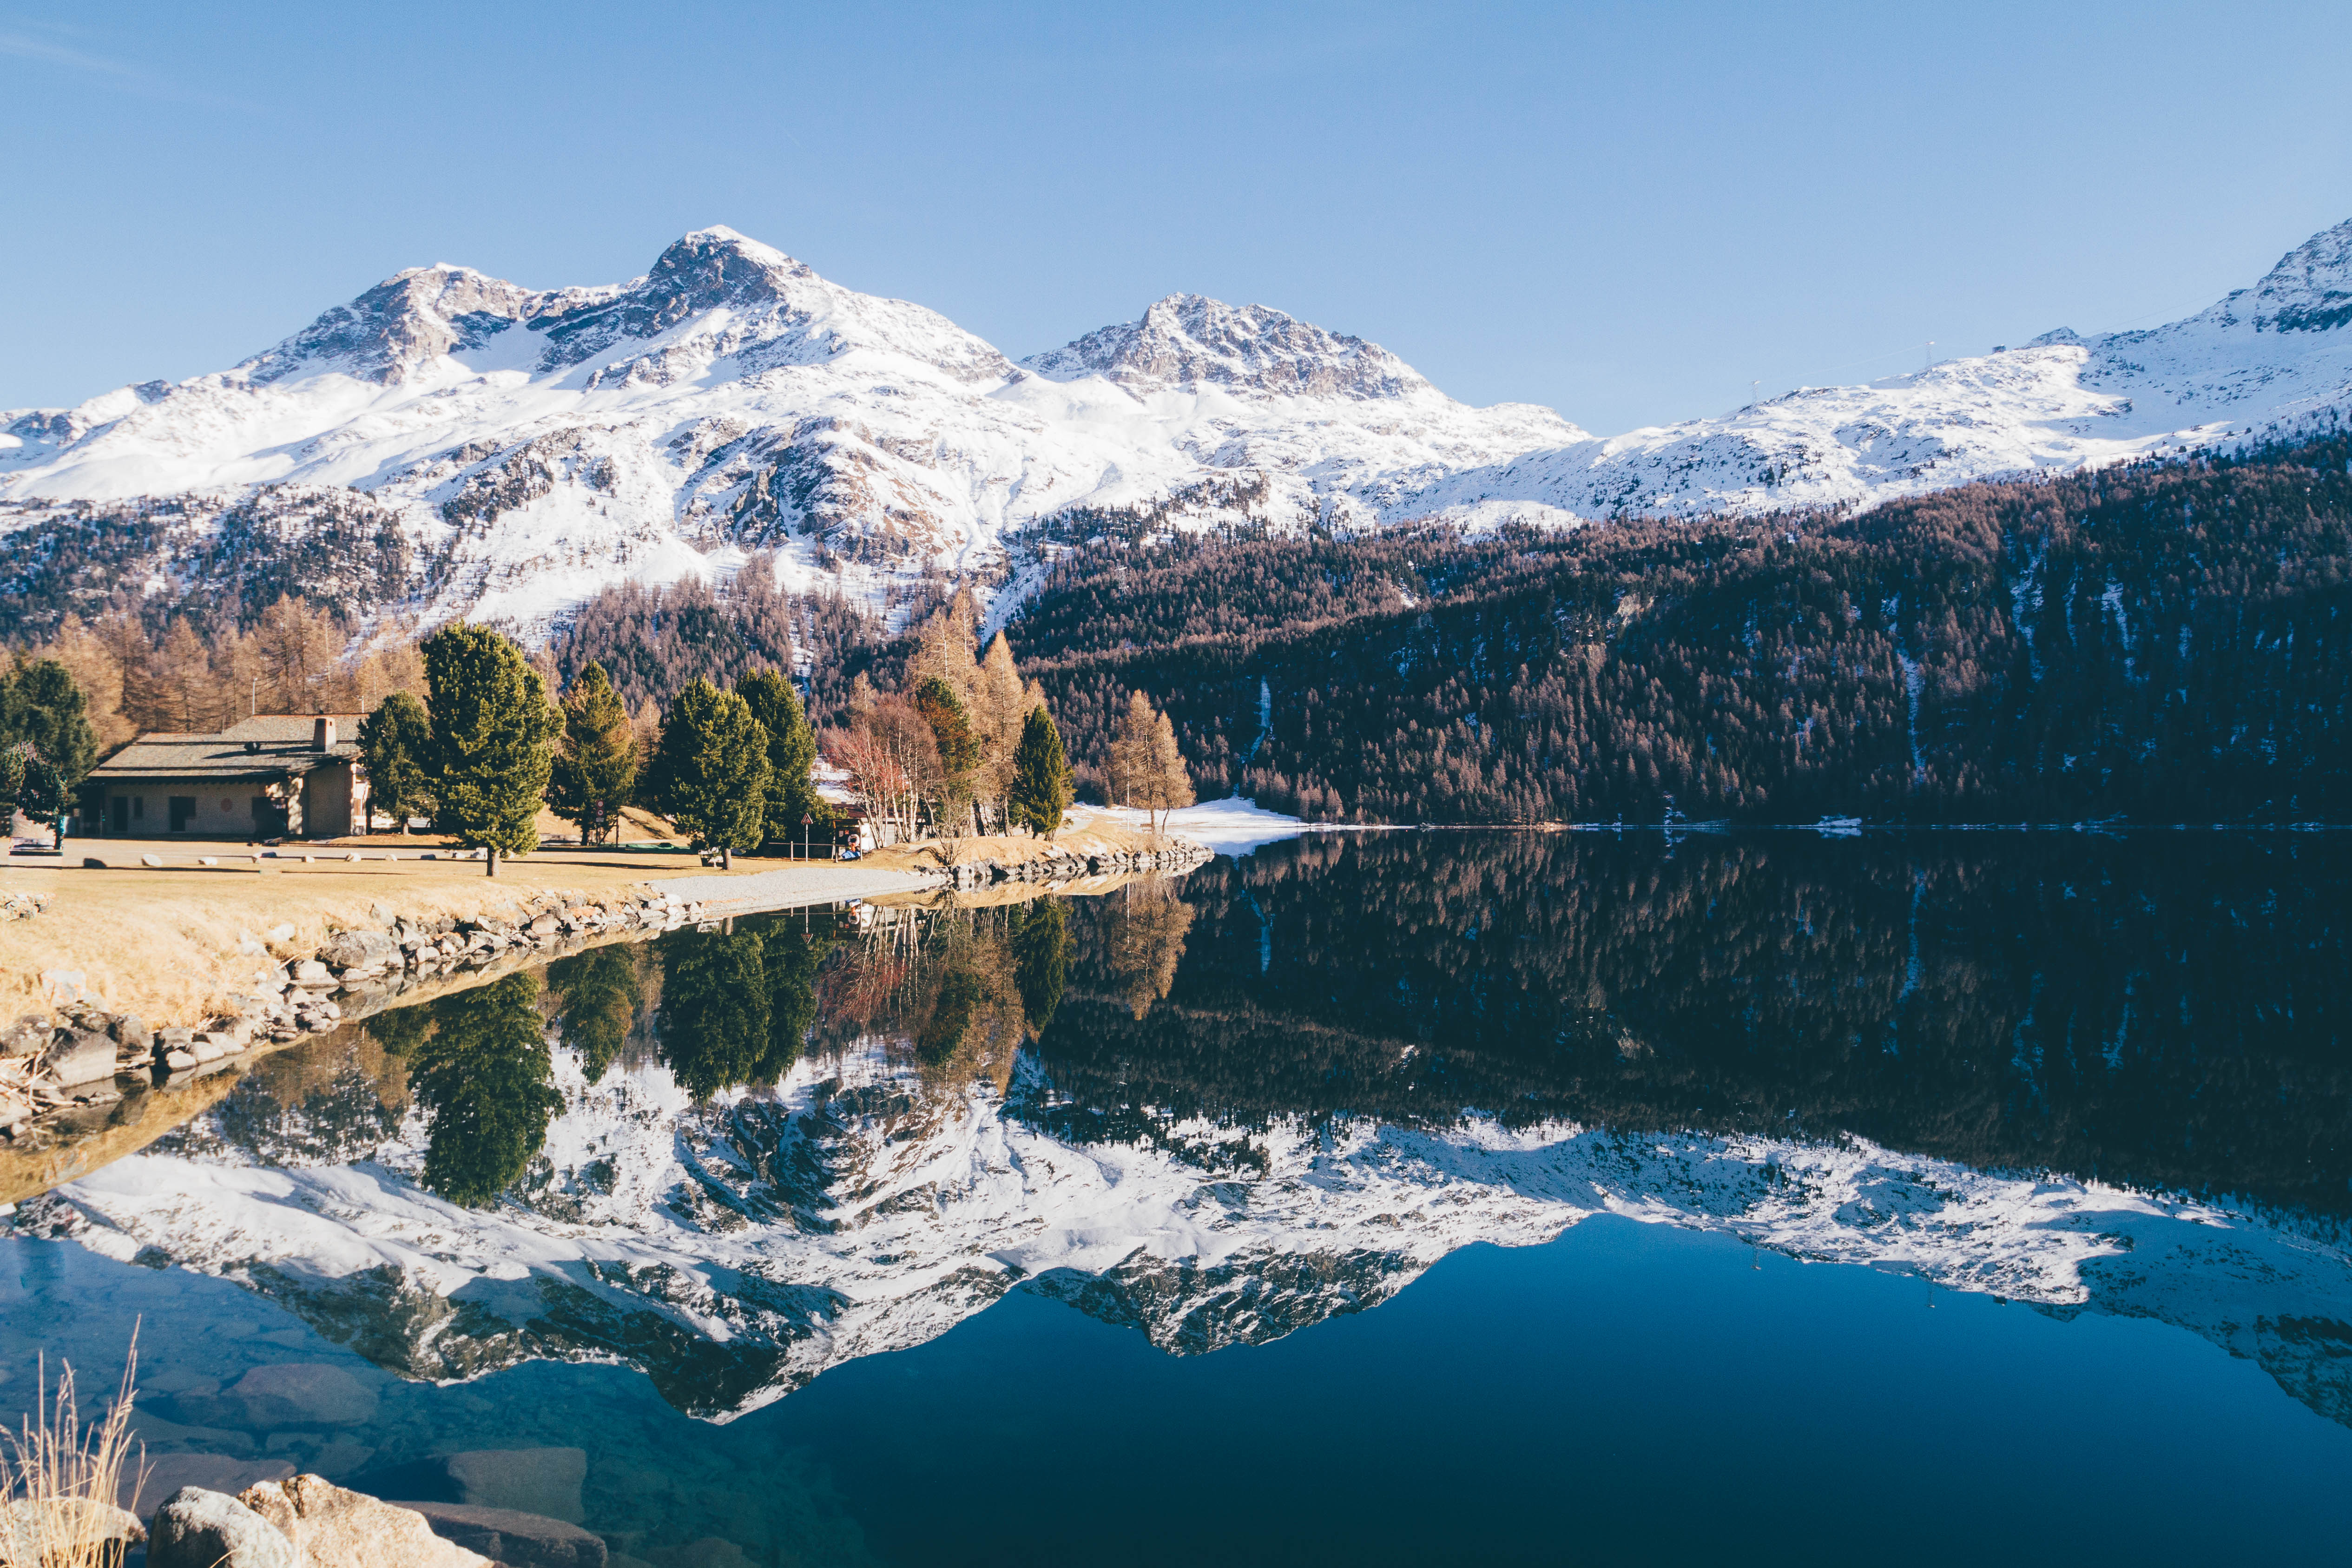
(1041, 776)
(41, 706)
(395, 747)
(491, 726)
(794, 810)
(596, 768)
(714, 768)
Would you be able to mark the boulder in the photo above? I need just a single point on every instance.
(66, 1530)
(310, 972)
(357, 949)
(200, 1529)
(303, 1393)
(131, 1033)
(333, 1527)
(517, 1539)
(83, 1055)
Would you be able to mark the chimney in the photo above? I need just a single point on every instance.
(322, 735)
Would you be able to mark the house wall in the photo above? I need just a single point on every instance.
(151, 813)
(327, 799)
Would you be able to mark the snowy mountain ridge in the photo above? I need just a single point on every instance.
(857, 1210)
(532, 446)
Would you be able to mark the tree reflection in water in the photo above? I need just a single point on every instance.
(1041, 958)
(482, 1071)
(600, 997)
(735, 1006)
(1148, 923)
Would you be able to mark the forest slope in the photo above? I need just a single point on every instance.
(2163, 641)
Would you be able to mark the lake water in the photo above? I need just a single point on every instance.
(1408, 1198)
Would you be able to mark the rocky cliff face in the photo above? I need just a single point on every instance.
(533, 447)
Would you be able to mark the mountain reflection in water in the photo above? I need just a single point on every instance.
(2090, 1074)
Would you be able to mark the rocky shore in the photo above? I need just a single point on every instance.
(1069, 865)
(81, 1060)
(301, 1521)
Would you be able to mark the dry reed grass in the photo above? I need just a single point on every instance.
(59, 1480)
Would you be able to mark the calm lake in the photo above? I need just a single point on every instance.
(1368, 1199)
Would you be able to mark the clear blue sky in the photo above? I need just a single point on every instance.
(1626, 212)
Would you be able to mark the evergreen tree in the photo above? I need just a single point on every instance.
(396, 748)
(1041, 776)
(28, 784)
(596, 767)
(792, 754)
(959, 750)
(42, 706)
(714, 768)
(491, 726)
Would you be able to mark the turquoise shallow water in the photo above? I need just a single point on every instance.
(1397, 1201)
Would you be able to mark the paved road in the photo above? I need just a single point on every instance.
(818, 882)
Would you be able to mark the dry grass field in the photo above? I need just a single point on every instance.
(171, 944)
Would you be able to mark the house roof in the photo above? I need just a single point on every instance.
(269, 745)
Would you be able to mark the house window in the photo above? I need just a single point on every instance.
(183, 807)
(121, 805)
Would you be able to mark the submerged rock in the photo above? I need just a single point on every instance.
(303, 1393)
(517, 1539)
(544, 1482)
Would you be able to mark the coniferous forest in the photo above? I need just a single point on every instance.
(2161, 641)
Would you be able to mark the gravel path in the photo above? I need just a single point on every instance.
(821, 882)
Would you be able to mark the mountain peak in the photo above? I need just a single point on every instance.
(2310, 290)
(410, 316)
(1189, 341)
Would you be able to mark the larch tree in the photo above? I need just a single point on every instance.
(714, 769)
(1000, 711)
(491, 726)
(596, 766)
(396, 749)
(958, 752)
(794, 806)
(300, 649)
(1041, 776)
(1146, 768)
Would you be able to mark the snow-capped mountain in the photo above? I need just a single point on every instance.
(496, 451)
(738, 1251)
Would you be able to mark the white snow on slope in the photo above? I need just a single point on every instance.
(858, 1211)
(1234, 825)
(537, 445)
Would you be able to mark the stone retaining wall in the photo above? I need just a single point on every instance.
(82, 1059)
